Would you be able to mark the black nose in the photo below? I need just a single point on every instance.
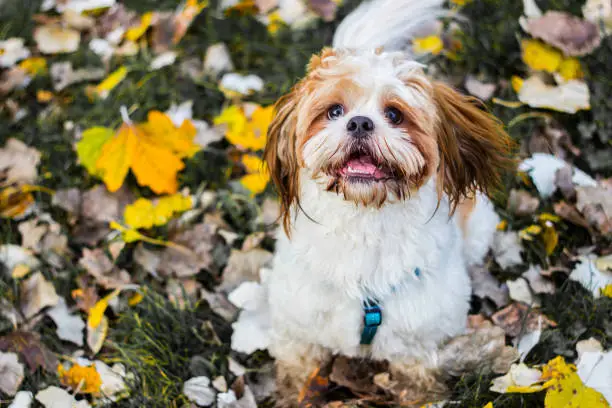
(360, 126)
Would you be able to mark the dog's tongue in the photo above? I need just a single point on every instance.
(363, 166)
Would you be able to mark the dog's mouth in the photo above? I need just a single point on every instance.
(363, 167)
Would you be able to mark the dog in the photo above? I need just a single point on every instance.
(383, 175)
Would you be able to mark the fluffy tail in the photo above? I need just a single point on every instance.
(386, 23)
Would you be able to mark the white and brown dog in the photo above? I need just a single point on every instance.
(382, 174)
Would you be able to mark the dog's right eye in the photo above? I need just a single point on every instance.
(335, 112)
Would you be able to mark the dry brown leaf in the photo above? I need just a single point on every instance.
(563, 181)
(537, 282)
(99, 265)
(62, 75)
(13, 78)
(518, 317)
(325, 8)
(478, 321)
(181, 291)
(572, 35)
(264, 6)
(253, 240)
(595, 203)
(200, 240)
(244, 266)
(357, 374)
(479, 89)
(36, 294)
(11, 373)
(570, 213)
(18, 163)
(29, 346)
(522, 203)
(55, 39)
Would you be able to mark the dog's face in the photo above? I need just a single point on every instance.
(373, 128)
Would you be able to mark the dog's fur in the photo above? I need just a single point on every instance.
(346, 239)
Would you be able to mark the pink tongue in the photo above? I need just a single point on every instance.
(361, 165)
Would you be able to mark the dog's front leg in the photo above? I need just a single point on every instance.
(294, 364)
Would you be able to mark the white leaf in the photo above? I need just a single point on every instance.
(519, 291)
(55, 39)
(163, 60)
(80, 6)
(69, 326)
(590, 345)
(220, 384)
(531, 9)
(179, 113)
(217, 60)
(36, 294)
(11, 51)
(590, 277)
(197, 390)
(18, 163)
(55, 397)
(11, 373)
(14, 255)
(519, 376)
(244, 85)
(595, 371)
(101, 47)
(599, 11)
(569, 97)
(542, 168)
(529, 341)
(478, 88)
(113, 384)
(538, 283)
(23, 399)
(507, 248)
(226, 399)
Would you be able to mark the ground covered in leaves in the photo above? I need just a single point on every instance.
(137, 215)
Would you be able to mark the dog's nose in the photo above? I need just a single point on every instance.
(360, 126)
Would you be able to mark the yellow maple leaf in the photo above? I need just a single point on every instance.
(540, 56)
(111, 82)
(145, 214)
(489, 405)
(34, 66)
(570, 68)
(134, 33)
(14, 201)
(96, 313)
(258, 176)
(86, 380)
(607, 291)
(152, 150)
(246, 132)
(517, 83)
(431, 44)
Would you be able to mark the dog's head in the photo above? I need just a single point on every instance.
(373, 128)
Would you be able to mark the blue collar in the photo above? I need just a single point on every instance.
(372, 316)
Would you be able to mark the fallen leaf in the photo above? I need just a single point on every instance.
(507, 249)
(357, 374)
(198, 390)
(325, 8)
(572, 35)
(235, 85)
(104, 88)
(590, 277)
(484, 285)
(518, 317)
(55, 39)
(599, 12)
(200, 240)
(13, 256)
(479, 89)
(140, 147)
(12, 50)
(69, 326)
(11, 373)
(540, 57)
(63, 75)
(15, 202)
(97, 335)
(244, 266)
(257, 177)
(146, 214)
(99, 265)
(521, 203)
(23, 399)
(29, 346)
(79, 6)
(81, 379)
(36, 294)
(595, 203)
(568, 97)
(55, 397)
(113, 381)
(542, 169)
(217, 60)
(520, 292)
(594, 367)
(537, 282)
(163, 60)
(520, 378)
(18, 163)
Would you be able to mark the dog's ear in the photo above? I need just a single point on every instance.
(280, 154)
(474, 147)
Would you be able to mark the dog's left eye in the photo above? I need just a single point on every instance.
(335, 111)
(394, 115)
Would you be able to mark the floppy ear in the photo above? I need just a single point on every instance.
(280, 154)
(474, 147)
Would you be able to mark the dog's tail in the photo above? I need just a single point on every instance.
(386, 23)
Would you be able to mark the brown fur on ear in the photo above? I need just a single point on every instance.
(280, 154)
(474, 147)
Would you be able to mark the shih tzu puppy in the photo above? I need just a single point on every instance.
(382, 174)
